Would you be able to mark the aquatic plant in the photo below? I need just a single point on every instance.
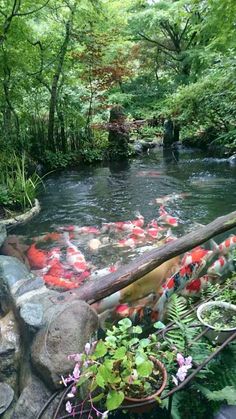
(18, 189)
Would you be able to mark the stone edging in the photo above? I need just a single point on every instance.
(18, 219)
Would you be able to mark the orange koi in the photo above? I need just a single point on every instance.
(37, 258)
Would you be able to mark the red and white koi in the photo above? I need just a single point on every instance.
(195, 286)
(102, 272)
(167, 218)
(177, 282)
(196, 255)
(124, 225)
(128, 242)
(172, 197)
(138, 232)
(81, 230)
(220, 267)
(75, 257)
(227, 245)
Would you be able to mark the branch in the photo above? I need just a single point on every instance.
(32, 11)
(126, 275)
(155, 42)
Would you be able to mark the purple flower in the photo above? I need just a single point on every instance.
(75, 357)
(188, 362)
(68, 407)
(76, 372)
(180, 360)
(182, 372)
(184, 365)
(87, 348)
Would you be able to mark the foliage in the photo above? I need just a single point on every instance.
(123, 364)
(18, 190)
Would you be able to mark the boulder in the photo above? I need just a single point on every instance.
(71, 326)
(10, 350)
(32, 399)
(3, 234)
(6, 397)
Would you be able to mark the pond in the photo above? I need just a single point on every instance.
(201, 188)
(92, 195)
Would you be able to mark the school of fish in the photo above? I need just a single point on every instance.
(57, 258)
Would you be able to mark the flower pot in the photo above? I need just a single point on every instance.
(214, 334)
(143, 406)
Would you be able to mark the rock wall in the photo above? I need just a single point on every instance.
(38, 330)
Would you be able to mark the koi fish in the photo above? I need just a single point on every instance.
(94, 245)
(177, 282)
(153, 232)
(220, 267)
(172, 197)
(60, 282)
(128, 242)
(149, 284)
(37, 258)
(195, 255)
(195, 286)
(137, 232)
(54, 236)
(167, 218)
(227, 245)
(148, 173)
(75, 257)
(124, 225)
(102, 272)
(81, 230)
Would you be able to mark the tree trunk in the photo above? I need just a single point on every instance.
(55, 80)
(126, 275)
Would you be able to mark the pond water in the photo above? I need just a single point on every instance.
(92, 195)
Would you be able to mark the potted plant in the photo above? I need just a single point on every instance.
(219, 317)
(121, 369)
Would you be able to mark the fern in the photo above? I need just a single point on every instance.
(227, 394)
(177, 308)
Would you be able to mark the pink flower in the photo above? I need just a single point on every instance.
(76, 372)
(87, 348)
(180, 360)
(69, 407)
(184, 365)
(182, 372)
(75, 357)
(188, 362)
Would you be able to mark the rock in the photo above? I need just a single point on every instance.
(10, 350)
(232, 160)
(12, 270)
(6, 397)
(71, 326)
(3, 234)
(31, 400)
(32, 314)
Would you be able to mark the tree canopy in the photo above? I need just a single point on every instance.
(64, 63)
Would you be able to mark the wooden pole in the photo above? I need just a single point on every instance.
(100, 288)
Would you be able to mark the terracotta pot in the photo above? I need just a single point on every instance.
(129, 401)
